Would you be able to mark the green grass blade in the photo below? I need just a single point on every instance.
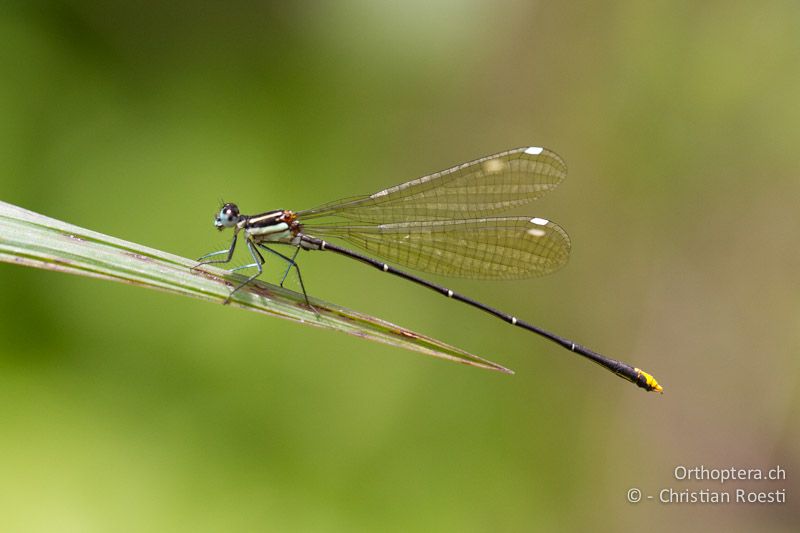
(34, 240)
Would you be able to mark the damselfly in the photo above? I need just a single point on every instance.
(435, 224)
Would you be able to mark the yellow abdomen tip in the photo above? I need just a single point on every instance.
(651, 382)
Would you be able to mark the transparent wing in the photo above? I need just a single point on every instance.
(482, 248)
(477, 188)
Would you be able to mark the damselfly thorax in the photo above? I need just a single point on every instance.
(278, 227)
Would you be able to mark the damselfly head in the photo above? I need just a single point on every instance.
(227, 217)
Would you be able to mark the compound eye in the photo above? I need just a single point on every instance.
(230, 211)
(227, 217)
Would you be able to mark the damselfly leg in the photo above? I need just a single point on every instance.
(228, 253)
(292, 264)
(258, 261)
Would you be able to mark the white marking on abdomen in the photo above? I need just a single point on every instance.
(449, 293)
(385, 267)
(513, 321)
(534, 150)
(539, 221)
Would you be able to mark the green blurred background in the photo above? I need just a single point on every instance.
(130, 410)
